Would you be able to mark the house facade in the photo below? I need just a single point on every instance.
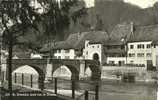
(92, 50)
(64, 54)
(86, 45)
(115, 48)
(139, 52)
(126, 45)
(142, 47)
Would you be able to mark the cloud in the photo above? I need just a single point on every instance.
(142, 3)
(89, 3)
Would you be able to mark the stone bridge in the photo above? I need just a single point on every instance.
(46, 67)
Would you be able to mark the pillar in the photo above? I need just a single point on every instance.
(86, 95)
(97, 92)
(49, 69)
(82, 69)
(73, 88)
(4, 70)
(55, 86)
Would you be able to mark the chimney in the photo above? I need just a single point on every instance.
(79, 35)
(132, 27)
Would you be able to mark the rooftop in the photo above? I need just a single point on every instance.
(77, 40)
(145, 33)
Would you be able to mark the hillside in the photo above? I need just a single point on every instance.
(108, 13)
(104, 17)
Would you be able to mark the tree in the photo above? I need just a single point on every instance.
(16, 15)
(19, 16)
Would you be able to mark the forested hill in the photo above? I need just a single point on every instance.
(106, 14)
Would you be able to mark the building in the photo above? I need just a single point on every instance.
(139, 52)
(142, 46)
(108, 49)
(115, 48)
(86, 45)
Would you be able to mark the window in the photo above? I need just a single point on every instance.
(154, 46)
(111, 62)
(92, 46)
(142, 46)
(131, 55)
(139, 46)
(98, 46)
(131, 61)
(140, 55)
(131, 46)
(148, 55)
(59, 57)
(148, 46)
(87, 53)
(67, 57)
(67, 51)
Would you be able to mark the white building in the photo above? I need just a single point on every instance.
(139, 52)
(86, 45)
(92, 50)
(142, 46)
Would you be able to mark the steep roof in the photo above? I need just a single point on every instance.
(77, 40)
(145, 33)
(56, 45)
(114, 42)
(93, 37)
(120, 34)
(121, 31)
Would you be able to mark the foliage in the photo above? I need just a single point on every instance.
(32, 25)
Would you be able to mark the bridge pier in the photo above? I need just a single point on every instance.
(49, 69)
(82, 70)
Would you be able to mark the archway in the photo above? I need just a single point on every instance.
(28, 71)
(71, 71)
(88, 73)
(62, 72)
(96, 56)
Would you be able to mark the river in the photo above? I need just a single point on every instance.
(108, 89)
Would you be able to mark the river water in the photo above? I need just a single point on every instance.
(108, 90)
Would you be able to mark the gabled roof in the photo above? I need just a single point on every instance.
(93, 37)
(145, 33)
(77, 40)
(121, 31)
(114, 42)
(120, 34)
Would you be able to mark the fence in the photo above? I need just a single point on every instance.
(90, 90)
(25, 79)
(65, 87)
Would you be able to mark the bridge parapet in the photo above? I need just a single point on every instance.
(28, 61)
(54, 61)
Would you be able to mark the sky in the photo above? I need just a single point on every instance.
(140, 3)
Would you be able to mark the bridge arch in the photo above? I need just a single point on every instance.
(63, 72)
(73, 70)
(40, 72)
(95, 72)
(88, 72)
